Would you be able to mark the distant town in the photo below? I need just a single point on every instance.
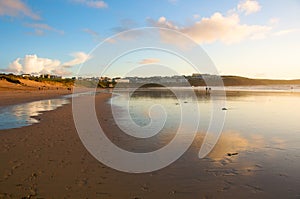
(195, 79)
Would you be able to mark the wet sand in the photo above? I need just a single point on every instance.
(48, 160)
(23, 96)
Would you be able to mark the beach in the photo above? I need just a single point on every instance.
(15, 93)
(149, 100)
(48, 160)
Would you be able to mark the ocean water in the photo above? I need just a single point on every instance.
(262, 119)
(20, 115)
(265, 112)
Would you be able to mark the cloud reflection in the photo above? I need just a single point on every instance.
(229, 142)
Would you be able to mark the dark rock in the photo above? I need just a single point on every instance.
(232, 154)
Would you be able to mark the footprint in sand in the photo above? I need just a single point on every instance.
(82, 182)
(254, 189)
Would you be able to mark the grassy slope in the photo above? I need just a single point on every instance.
(242, 81)
(19, 83)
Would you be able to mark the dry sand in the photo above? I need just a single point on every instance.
(30, 91)
(48, 160)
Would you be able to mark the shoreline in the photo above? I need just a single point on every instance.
(12, 97)
(53, 164)
(8, 98)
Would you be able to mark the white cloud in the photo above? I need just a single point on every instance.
(149, 61)
(226, 29)
(79, 58)
(196, 16)
(91, 32)
(61, 72)
(96, 4)
(15, 67)
(37, 32)
(32, 64)
(125, 24)
(16, 8)
(92, 3)
(40, 27)
(249, 6)
(163, 23)
(96, 36)
(287, 31)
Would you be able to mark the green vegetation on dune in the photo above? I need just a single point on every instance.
(65, 82)
(16, 79)
(243, 81)
(10, 78)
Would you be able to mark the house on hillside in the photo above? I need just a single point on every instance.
(122, 80)
(48, 76)
(25, 75)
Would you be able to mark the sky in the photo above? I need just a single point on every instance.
(252, 38)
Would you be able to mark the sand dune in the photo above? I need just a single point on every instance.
(11, 93)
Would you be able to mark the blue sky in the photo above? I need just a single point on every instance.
(254, 38)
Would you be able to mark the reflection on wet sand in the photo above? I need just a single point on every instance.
(255, 155)
(261, 130)
(233, 143)
(227, 152)
(229, 143)
(23, 114)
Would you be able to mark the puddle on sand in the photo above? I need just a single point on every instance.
(20, 115)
